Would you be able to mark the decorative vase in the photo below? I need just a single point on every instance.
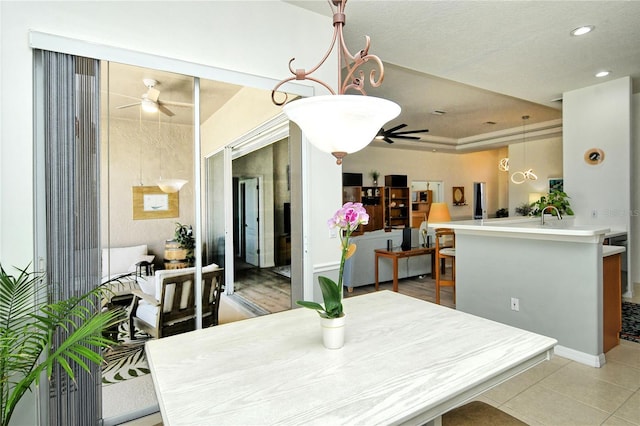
(333, 332)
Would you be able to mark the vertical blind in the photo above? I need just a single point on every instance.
(70, 134)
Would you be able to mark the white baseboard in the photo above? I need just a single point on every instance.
(581, 357)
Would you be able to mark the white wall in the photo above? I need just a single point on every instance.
(600, 116)
(249, 37)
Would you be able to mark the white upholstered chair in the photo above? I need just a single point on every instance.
(165, 303)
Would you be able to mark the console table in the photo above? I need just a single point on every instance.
(404, 361)
(398, 253)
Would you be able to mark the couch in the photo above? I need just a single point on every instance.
(119, 265)
(359, 269)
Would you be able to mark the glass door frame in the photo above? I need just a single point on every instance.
(56, 43)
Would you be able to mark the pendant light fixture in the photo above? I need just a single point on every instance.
(521, 177)
(338, 123)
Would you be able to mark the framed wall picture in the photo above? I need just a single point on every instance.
(556, 184)
(149, 202)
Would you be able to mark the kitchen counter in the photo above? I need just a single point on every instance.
(526, 227)
(547, 279)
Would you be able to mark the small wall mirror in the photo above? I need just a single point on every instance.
(458, 196)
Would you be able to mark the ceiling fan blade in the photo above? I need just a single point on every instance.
(387, 140)
(407, 132)
(163, 109)
(404, 137)
(128, 105)
(178, 104)
(393, 129)
(153, 94)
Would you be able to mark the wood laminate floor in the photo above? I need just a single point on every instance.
(270, 292)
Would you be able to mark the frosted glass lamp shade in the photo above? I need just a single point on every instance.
(341, 124)
(439, 212)
(171, 185)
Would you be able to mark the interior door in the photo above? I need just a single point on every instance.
(251, 221)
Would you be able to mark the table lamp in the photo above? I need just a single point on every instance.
(439, 212)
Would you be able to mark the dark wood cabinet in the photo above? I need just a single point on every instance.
(371, 199)
(396, 207)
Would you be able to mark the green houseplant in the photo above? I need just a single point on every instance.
(374, 176)
(28, 324)
(184, 236)
(556, 198)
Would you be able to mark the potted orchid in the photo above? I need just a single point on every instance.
(346, 220)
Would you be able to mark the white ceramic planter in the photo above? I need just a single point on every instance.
(333, 332)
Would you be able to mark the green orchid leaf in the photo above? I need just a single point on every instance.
(332, 296)
(311, 305)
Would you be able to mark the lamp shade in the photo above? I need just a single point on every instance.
(341, 123)
(439, 212)
(171, 185)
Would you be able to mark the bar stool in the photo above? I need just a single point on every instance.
(445, 249)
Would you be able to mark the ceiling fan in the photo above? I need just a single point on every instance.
(392, 133)
(150, 101)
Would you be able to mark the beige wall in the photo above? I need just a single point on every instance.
(544, 157)
(452, 169)
(131, 155)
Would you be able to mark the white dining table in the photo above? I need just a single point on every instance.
(404, 360)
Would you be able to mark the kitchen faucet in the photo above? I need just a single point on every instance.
(549, 207)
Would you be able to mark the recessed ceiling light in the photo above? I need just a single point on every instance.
(603, 73)
(585, 29)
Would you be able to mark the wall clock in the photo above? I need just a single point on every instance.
(594, 156)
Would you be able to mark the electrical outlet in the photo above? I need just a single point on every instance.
(515, 304)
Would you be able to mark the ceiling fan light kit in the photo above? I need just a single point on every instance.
(148, 105)
(150, 101)
(337, 123)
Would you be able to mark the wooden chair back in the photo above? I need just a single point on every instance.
(175, 312)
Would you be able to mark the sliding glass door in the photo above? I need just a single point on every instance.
(137, 150)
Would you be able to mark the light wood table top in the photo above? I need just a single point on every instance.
(404, 360)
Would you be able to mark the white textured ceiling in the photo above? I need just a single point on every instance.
(479, 61)
(486, 61)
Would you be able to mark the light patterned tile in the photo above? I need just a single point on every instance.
(626, 352)
(630, 410)
(507, 390)
(547, 407)
(523, 418)
(617, 421)
(573, 382)
(612, 372)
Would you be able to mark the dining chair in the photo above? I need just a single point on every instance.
(445, 251)
(173, 309)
